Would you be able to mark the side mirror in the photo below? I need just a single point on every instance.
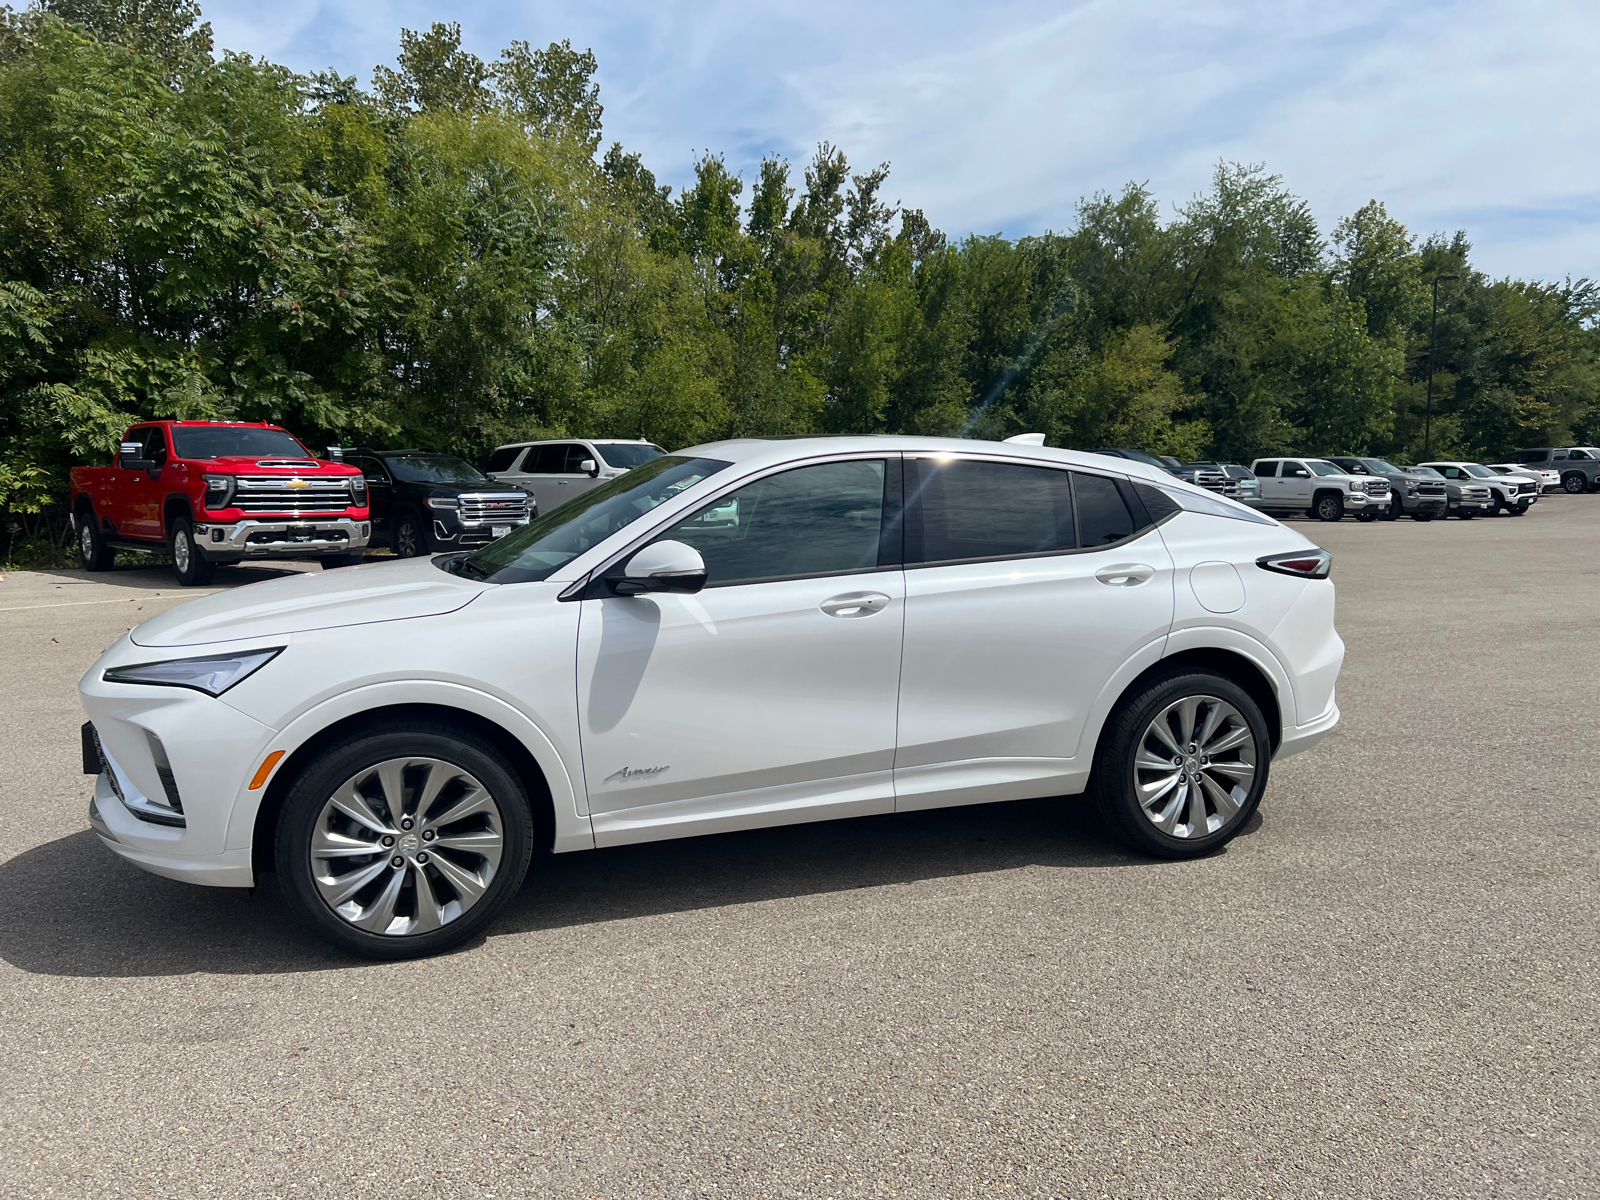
(589, 467)
(662, 567)
(129, 457)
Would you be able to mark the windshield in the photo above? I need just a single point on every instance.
(1141, 456)
(1171, 464)
(1380, 466)
(434, 468)
(225, 441)
(1478, 470)
(1426, 472)
(557, 537)
(628, 456)
(1322, 468)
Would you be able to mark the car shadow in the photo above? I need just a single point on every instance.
(75, 909)
(158, 577)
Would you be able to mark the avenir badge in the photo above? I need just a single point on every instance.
(628, 773)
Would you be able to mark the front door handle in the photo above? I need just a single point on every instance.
(855, 604)
(1125, 574)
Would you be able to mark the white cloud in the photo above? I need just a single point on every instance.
(1000, 117)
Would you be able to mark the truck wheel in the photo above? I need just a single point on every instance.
(1575, 483)
(93, 552)
(192, 568)
(404, 843)
(1422, 516)
(1329, 507)
(1519, 510)
(1182, 764)
(409, 538)
(1397, 509)
(1466, 514)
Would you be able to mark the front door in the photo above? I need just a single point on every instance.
(768, 697)
(144, 491)
(380, 494)
(1294, 483)
(1027, 589)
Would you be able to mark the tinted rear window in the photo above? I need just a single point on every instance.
(974, 509)
(1102, 515)
(502, 458)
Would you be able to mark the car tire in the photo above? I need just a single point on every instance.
(1574, 483)
(1396, 510)
(410, 538)
(1422, 516)
(1465, 514)
(367, 790)
(1168, 823)
(93, 552)
(331, 561)
(1518, 510)
(192, 568)
(1328, 507)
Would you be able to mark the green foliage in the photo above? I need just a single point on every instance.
(443, 260)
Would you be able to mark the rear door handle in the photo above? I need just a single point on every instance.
(855, 604)
(1125, 574)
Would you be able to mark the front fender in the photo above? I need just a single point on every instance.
(572, 829)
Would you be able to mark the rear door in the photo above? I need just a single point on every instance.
(1027, 588)
(545, 474)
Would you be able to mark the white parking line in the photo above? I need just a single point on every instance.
(123, 600)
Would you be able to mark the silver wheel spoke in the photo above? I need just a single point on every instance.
(443, 889)
(1228, 741)
(380, 916)
(463, 880)
(325, 843)
(1197, 811)
(354, 805)
(1187, 708)
(1149, 762)
(1210, 725)
(475, 801)
(337, 889)
(1163, 734)
(1167, 819)
(1227, 807)
(1242, 771)
(1157, 788)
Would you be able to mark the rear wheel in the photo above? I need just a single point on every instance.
(93, 552)
(192, 568)
(1182, 764)
(404, 843)
(1329, 507)
(1575, 483)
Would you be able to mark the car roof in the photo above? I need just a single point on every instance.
(575, 438)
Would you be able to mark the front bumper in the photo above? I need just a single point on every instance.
(1475, 505)
(475, 533)
(281, 539)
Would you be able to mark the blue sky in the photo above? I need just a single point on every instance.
(997, 118)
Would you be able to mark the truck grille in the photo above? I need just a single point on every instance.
(1212, 481)
(292, 496)
(1527, 489)
(1435, 488)
(492, 508)
(1377, 487)
(1475, 493)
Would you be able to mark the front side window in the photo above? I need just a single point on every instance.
(1478, 471)
(155, 445)
(825, 519)
(1294, 470)
(1323, 468)
(225, 441)
(553, 539)
(1579, 454)
(372, 469)
(628, 456)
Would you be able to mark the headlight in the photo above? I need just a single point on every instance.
(219, 490)
(442, 502)
(212, 674)
(358, 489)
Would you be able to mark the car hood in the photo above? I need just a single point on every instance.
(379, 591)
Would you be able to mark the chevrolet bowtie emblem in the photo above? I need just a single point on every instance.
(298, 485)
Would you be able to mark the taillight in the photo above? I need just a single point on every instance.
(1307, 564)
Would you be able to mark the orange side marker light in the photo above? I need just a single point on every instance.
(265, 770)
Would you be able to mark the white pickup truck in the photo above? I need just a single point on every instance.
(1319, 489)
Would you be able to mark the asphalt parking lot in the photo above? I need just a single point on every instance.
(1386, 987)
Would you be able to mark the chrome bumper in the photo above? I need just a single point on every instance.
(282, 539)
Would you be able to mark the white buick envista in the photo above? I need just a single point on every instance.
(742, 634)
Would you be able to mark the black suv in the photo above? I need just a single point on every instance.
(423, 501)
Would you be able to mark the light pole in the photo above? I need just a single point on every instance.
(1433, 339)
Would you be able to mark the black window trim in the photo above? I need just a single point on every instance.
(1124, 486)
(595, 583)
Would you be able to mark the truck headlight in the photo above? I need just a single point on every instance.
(219, 491)
(358, 489)
(212, 674)
(442, 502)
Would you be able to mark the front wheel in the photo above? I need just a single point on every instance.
(192, 568)
(1329, 507)
(404, 843)
(1422, 516)
(1182, 764)
(1396, 510)
(409, 538)
(1575, 484)
(1520, 509)
(1465, 514)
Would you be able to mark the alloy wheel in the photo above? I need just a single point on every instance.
(406, 846)
(180, 552)
(1193, 767)
(86, 542)
(405, 540)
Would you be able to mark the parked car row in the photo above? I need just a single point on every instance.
(1367, 488)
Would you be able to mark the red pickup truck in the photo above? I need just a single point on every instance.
(211, 493)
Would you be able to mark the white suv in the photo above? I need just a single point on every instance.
(1319, 489)
(555, 471)
(742, 634)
